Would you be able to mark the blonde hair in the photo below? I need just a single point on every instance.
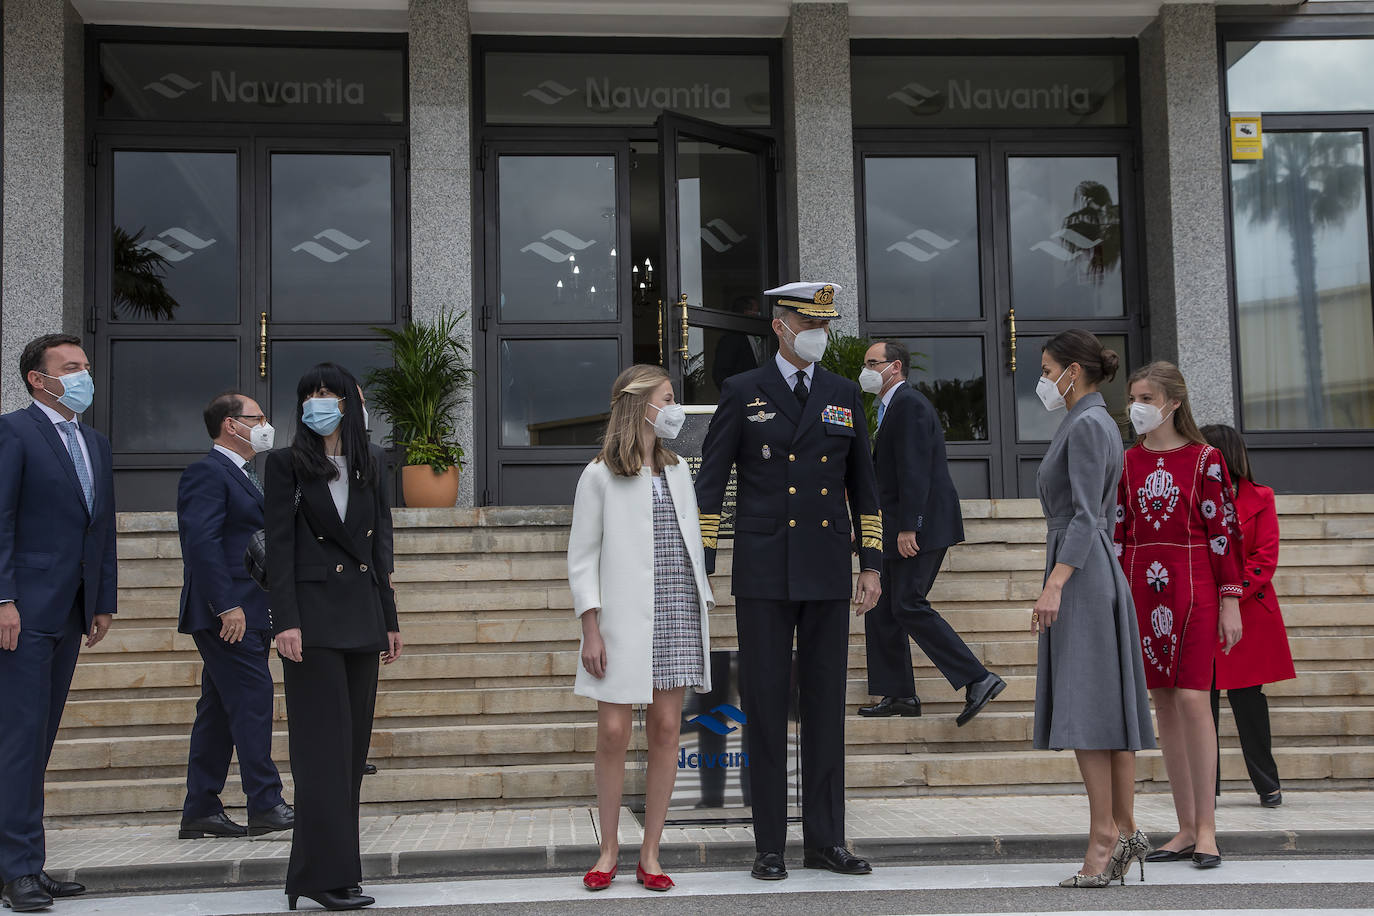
(1165, 377)
(629, 404)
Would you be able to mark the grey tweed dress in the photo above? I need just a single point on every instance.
(677, 607)
(1090, 687)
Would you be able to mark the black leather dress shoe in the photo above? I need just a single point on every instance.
(355, 890)
(369, 769)
(768, 866)
(216, 825)
(1272, 800)
(836, 859)
(57, 888)
(1206, 860)
(282, 817)
(338, 899)
(26, 895)
(979, 694)
(893, 706)
(1170, 855)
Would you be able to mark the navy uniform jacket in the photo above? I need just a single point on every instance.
(51, 547)
(914, 486)
(218, 509)
(794, 465)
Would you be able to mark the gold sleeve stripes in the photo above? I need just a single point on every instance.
(871, 531)
(710, 529)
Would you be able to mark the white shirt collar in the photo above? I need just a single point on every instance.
(887, 398)
(789, 371)
(239, 460)
(54, 415)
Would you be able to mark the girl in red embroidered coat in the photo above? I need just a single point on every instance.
(1178, 541)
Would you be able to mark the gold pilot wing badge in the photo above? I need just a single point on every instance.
(757, 402)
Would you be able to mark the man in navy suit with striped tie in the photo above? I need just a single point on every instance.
(57, 587)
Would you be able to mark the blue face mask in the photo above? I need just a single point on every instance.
(322, 415)
(78, 390)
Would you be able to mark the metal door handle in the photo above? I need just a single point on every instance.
(1011, 320)
(660, 334)
(686, 353)
(262, 345)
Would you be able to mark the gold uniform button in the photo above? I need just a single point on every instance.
(825, 523)
(791, 523)
(339, 568)
(369, 532)
(824, 459)
(824, 491)
(791, 457)
(362, 567)
(792, 490)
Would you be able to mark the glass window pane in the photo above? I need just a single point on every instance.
(556, 392)
(720, 225)
(715, 355)
(921, 236)
(1036, 424)
(950, 371)
(1065, 237)
(160, 389)
(291, 359)
(1306, 336)
(558, 226)
(331, 238)
(1324, 74)
(175, 240)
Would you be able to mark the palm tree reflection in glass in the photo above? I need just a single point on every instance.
(136, 285)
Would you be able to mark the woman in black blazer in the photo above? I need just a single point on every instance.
(329, 566)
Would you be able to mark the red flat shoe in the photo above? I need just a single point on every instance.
(653, 882)
(598, 880)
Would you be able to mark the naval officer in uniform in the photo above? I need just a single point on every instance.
(797, 437)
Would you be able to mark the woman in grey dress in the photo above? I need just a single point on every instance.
(1090, 687)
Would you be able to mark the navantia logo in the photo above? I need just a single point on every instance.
(562, 237)
(343, 240)
(1054, 245)
(549, 92)
(914, 95)
(172, 85)
(711, 722)
(936, 245)
(726, 239)
(175, 244)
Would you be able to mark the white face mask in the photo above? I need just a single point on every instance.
(1147, 417)
(1049, 391)
(669, 421)
(871, 380)
(260, 438)
(809, 345)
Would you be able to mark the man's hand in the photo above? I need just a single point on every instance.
(906, 544)
(394, 647)
(232, 625)
(289, 644)
(100, 625)
(867, 592)
(9, 626)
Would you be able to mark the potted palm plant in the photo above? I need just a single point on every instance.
(428, 378)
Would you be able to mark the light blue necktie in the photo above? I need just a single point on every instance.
(882, 409)
(83, 473)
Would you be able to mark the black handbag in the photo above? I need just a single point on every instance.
(255, 556)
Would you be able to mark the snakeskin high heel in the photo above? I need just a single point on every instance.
(1119, 853)
(1136, 846)
(1103, 880)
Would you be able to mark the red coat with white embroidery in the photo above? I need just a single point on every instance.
(1262, 656)
(1178, 541)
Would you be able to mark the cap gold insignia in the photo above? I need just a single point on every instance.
(825, 295)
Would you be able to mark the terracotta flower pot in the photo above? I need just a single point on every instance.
(424, 489)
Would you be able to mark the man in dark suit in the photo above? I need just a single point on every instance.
(921, 521)
(737, 352)
(219, 507)
(57, 585)
(796, 436)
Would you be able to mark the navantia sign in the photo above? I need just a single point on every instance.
(155, 82)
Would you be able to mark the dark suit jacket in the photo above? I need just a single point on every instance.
(218, 509)
(914, 486)
(50, 545)
(733, 355)
(793, 470)
(329, 577)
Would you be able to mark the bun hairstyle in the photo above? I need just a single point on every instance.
(1079, 346)
(1165, 378)
(630, 395)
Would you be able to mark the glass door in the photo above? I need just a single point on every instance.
(719, 253)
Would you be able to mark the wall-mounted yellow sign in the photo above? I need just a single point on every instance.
(1247, 137)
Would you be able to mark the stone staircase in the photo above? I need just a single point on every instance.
(480, 711)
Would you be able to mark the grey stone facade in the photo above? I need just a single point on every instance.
(441, 182)
(44, 183)
(1185, 213)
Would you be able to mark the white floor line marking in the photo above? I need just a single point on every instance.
(735, 882)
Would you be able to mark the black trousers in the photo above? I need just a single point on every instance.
(902, 611)
(1250, 708)
(330, 697)
(766, 631)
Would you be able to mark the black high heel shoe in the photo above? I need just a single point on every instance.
(337, 899)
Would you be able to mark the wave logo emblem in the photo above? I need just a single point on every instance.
(549, 92)
(914, 95)
(1055, 246)
(172, 85)
(939, 243)
(181, 240)
(723, 239)
(345, 241)
(562, 237)
(712, 721)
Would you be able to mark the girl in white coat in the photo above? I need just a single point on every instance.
(638, 578)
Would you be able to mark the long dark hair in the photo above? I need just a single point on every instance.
(1228, 441)
(307, 448)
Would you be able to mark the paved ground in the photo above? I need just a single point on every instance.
(543, 841)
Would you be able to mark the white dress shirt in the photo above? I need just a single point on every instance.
(338, 487)
(57, 420)
(239, 460)
(789, 371)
